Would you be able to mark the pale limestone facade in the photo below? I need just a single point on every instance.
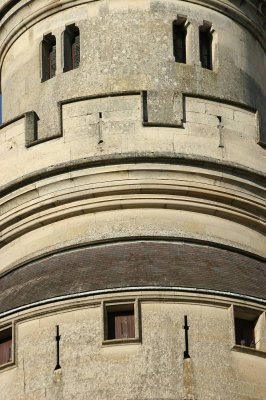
(133, 147)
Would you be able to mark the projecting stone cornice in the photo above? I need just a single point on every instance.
(258, 6)
(248, 175)
(129, 191)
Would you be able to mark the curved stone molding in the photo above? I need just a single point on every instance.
(225, 199)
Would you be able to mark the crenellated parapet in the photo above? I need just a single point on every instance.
(238, 46)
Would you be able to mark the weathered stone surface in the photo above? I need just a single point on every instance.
(133, 179)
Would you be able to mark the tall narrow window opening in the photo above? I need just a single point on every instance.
(48, 57)
(5, 346)
(71, 48)
(179, 41)
(205, 39)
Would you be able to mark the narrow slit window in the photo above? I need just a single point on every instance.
(5, 346)
(179, 41)
(48, 57)
(205, 38)
(71, 48)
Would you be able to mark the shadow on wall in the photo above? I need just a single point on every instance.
(257, 99)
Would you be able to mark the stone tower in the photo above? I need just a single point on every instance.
(132, 206)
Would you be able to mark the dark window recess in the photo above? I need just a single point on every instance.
(48, 57)
(244, 331)
(71, 48)
(179, 42)
(121, 324)
(206, 48)
(5, 346)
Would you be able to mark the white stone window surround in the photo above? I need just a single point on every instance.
(259, 319)
(114, 306)
(192, 41)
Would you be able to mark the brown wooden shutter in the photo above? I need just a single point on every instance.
(124, 326)
(5, 351)
(121, 324)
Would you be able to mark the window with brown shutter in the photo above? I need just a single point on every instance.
(121, 322)
(5, 346)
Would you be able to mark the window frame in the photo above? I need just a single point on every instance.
(12, 359)
(257, 317)
(121, 306)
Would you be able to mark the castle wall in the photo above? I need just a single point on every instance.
(151, 369)
(133, 183)
(227, 209)
(122, 64)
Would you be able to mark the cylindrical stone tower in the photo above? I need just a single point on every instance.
(132, 205)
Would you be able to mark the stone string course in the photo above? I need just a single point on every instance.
(134, 264)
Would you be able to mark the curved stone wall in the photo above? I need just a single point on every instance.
(153, 368)
(112, 62)
(130, 102)
(90, 203)
(140, 146)
(133, 180)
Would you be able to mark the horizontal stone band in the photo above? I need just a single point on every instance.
(133, 264)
